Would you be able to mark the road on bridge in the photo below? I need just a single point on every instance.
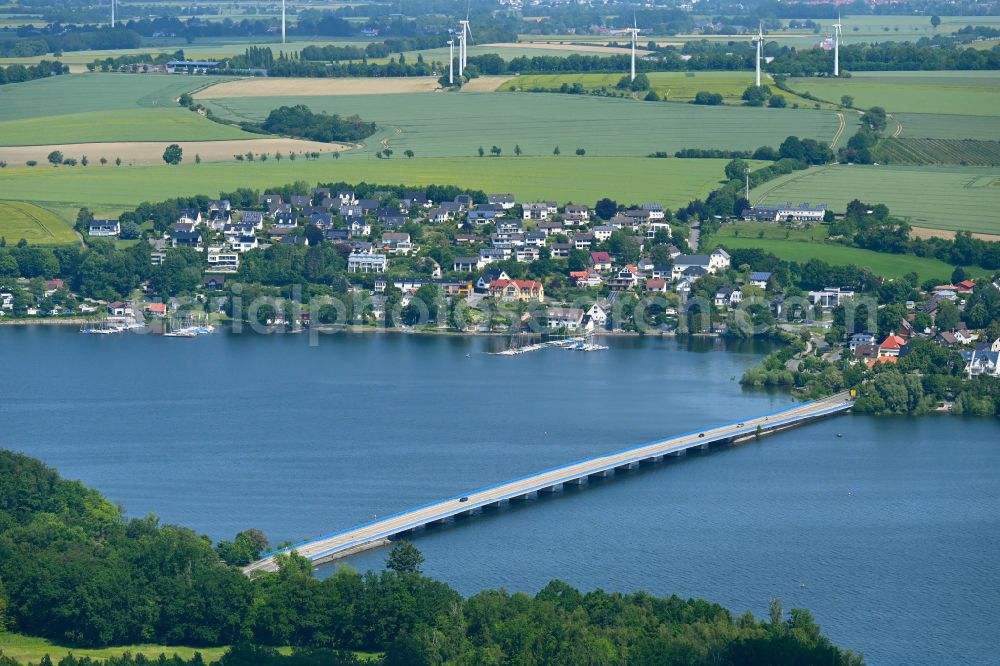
(377, 531)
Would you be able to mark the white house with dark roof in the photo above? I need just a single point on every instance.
(507, 201)
(103, 228)
(367, 263)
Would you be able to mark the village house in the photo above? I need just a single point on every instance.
(892, 346)
(656, 285)
(186, 239)
(218, 219)
(625, 278)
(416, 200)
(482, 217)
(786, 211)
(223, 262)
(581, 213)
(655, 211)
(602, 232)
(583, 241)
(560, 249)
(285, 220)
(255, 218)
(598, 316)
(569, 319)
(465, 264)
(760, 279)
(517, 290)
(394, 242)
(526, 254)
(534, 239)
(103, 228)
(586, 278)
(830, 297)
(550, 227)
(859, 339)
(491, 255)
(367, 263)
(657, 226)
(440, 214)
(600, 261)
(727, 297)
(507, 201)
(537, 211)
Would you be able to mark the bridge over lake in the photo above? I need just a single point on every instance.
(377, 532)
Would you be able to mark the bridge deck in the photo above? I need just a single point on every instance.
(341, 543)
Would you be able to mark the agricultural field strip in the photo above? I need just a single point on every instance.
(953, 198)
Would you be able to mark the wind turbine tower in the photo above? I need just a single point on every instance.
(760, 53)
(282, 21)
(451, 62)
(463, 45)
(113, 3)
(836, 46)
(634, 32)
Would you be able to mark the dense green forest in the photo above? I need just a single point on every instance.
(75, 570)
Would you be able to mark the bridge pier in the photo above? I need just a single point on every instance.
(549, 490)
(677, 454)
(598, 475)
(624, 468)
(573, 482)
(492, 506)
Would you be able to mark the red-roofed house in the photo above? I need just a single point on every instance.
(517, 290)
(586, 278)
(601, 261)
(965, 286)
(891, 346)
(158, 309)
(657, 285)
(881, 359)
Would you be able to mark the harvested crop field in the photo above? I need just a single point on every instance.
(151, 152)
(291, 87)
(485, 83)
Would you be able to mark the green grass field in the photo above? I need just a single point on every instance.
(36, 225)
(671, 182)
(960, 93)
(28, 649)
(936, 126)
(803, 246)
(674, 86)
(444, 125)
(952, 198)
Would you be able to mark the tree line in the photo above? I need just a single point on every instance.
(299, 121)
(21, 73)
(77, 571)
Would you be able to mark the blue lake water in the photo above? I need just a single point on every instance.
(889, 535)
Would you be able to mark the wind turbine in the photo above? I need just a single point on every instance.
(451, 62)
(634, 32)
(282, 21)
(113, 3)
(836, 46)
(760, 52)
(463, 45)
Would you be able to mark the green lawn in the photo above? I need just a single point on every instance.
(163, 124)
(952, 198)
(672, 182)
(942, 126)
(674, 86)
(975, 93)
(34, 224)
(446, 125)
(801, 247)
(27, 649)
